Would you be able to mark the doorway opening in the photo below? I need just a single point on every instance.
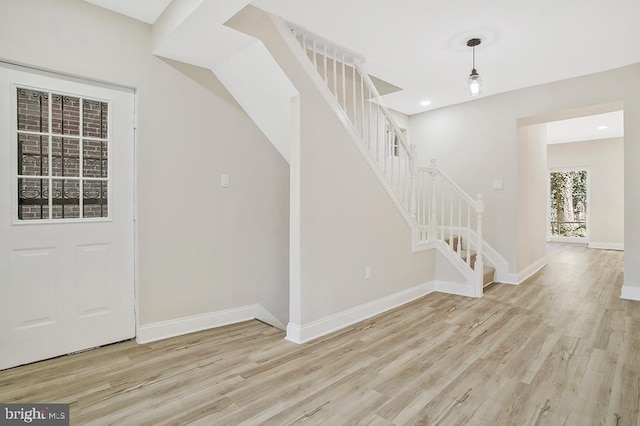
(590, 138)
(568, 206)
(585, 176)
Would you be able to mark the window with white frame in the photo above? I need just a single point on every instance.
(393, 141)
(62, 156)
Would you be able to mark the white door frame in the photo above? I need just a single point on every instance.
(134, 128)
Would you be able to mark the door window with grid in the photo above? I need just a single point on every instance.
(62, 156)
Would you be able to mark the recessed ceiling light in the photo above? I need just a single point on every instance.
(602, 127)
(425, 103)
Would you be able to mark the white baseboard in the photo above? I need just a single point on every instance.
(164, 329)
(568, 240)
(606, 246)
(531, 269)
(455, 288)
(630, 292)
(297, 333)
(294, 334)
(267, 317)
(508, 278)
(518, 278)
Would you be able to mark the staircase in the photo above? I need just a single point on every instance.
(488, 272)
(440, 214)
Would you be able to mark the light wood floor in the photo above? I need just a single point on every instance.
(561, 348)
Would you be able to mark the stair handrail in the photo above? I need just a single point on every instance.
(434, 169)
(355, 60)
(383, 106)
(411, 154)
(454, 241)
(399, 175)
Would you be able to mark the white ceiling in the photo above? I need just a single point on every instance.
(420, 45)
(143, 10)
(591, 127)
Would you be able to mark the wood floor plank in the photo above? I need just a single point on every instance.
(561, 348)
(527, 360)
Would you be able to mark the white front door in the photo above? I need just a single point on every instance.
(66, 216)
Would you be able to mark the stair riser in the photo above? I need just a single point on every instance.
(489, 271)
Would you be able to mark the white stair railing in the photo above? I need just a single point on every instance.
(364, 108)
(446, 213)
(439, 209)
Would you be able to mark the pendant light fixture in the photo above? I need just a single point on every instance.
(474, 77)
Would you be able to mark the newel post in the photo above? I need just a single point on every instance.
(479, 265)
(433, 220)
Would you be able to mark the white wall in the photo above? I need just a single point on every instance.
(532, 198)
(605, 162)
(401, 119)
(473, 152)
(202, 249)
(476, 142)
(345, 221)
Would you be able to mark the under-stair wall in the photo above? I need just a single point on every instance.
(355, 254)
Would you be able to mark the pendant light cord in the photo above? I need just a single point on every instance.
(473, 55)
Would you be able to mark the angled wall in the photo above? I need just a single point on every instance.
(193, 32)
(265, 96)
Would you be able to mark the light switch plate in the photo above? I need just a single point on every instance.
(497, 184)
(225, 181)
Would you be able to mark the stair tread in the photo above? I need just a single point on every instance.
(463, 253)
(488, 272)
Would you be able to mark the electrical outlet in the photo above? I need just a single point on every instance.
(367, 272)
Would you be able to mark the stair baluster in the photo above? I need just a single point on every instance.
(468, 259)
(479, 266)
(459, 229)
(433, 221)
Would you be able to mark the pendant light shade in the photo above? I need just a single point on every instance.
(474, 81)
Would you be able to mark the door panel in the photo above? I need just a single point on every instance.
(36, 290)
(93, 288)
(66, 216)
